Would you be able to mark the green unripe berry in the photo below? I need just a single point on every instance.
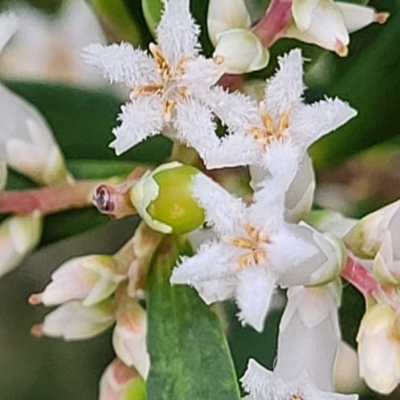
(164, 199)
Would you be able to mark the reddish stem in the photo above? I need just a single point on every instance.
(48, 200)
(273, 24)
(360, 277)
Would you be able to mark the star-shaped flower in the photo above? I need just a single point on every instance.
(282, 126)
(252, 249)
(263, 384)
(172, 88)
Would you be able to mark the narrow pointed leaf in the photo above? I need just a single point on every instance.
(189, 354)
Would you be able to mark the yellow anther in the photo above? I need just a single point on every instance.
(152, 88)
(168, 108)
(162, 63)
(218, 59)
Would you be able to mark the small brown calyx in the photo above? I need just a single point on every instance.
(114, 200)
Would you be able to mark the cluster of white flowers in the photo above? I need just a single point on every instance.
(252, 247)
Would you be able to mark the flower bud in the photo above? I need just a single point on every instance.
(366, 237)
(346, 371)
(251, 57)
(74, 321)
(325, 264)
(90, 279)
(163, 198)
(319, 22)
(224, 15)
(120, 382)
(379, 349)
(129, 338)
(19, 234)
(330, 221)
(300, 194)
(310, 322)
(26, 142)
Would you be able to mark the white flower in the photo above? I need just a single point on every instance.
(263, 384)
(171, 90)
(252, 249)
(90, 279)
(309, 334)
(327, 23)
(276, 134)
(26, 141)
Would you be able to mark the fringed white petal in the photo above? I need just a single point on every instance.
(285, 89)
(215, 290)
(122, 63)
(214, 260)
(223, 210)
(195, 126)
(234, 150)
(199, 74)
(236, 110)
(257, 380)
(177, 32)
(282, 161)
(253, 295)
(141, 118)
(310, 122)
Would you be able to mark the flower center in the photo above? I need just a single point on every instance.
(270, 131)
(253, 244)
(169, 89)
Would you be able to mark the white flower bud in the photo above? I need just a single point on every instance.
(310, 322)
(330, 221)
(320, 22)
(19, 234)
(164, 199)
(90, 279)
(379, 349)
(129, 338)
(386, 265)
(366, 237)
(26, 142)
(357, 16)
(224, 15)
(346, 371)
(300, 194)
(251, 57)
(325, 265)
(74, 321)
(120, 382)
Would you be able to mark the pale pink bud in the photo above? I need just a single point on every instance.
(379, 349)
(19, 234)
(367, 236)
(90, 279)
(120, 382)
(74, 321)
(129, 338)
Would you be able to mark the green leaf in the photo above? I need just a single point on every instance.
(82, 121)
(116, 13)
(188, 351)
(152, 10)
(371, 85)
